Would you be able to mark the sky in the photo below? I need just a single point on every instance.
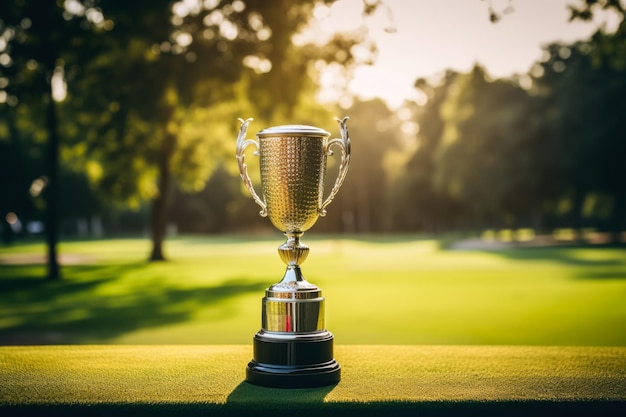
(434, 35)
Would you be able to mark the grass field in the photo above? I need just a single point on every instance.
(383, 290)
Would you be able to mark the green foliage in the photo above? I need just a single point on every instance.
(584, 86)
(480, 159)
(364, 196)
(417, 204)
(169, 76)
(585, 9)
(495, 154)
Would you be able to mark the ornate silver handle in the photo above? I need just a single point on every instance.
(242, 144)
(344, 144)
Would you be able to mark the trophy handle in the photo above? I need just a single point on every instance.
(344, 144)
(242, 144)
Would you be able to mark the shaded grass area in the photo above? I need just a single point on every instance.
(97, 303)
(379, 290)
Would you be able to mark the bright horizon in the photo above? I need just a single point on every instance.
(432, 36)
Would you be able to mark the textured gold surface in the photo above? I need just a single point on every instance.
(292, 177)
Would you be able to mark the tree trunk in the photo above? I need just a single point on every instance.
(52, 191)
(617, 218)
(576, 215)
(160, 204)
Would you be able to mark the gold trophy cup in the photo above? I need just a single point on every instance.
(293, 347)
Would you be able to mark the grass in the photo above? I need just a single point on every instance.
(168, 375)
(386, 290)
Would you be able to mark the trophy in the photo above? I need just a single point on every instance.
(293, 348)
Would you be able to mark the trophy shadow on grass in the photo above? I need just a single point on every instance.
(246, 394)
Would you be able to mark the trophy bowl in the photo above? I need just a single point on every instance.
(293, 349)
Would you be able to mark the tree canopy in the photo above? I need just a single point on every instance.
(148, 90)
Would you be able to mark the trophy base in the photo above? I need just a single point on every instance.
(284, 360)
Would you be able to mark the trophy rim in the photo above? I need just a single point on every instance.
(293, 130)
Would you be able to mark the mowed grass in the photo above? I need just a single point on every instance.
(382, 290)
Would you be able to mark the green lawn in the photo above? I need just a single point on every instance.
(394, 290)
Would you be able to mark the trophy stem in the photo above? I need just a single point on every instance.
(293, 253)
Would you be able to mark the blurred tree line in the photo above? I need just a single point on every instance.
(120, 117)
(544, 150)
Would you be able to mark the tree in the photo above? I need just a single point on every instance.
(419, 205)
(42, 41)
(475, 158)
(584, 87)
(364, 205)
(20, 162)
(585, 9)
(171, 67)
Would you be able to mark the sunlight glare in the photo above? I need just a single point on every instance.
(58, 84)
(537, 71)
(525, 82)
(434, 36)
(11, 218)
(404, 114)
(332, 80)
(214, 18)
(210, 4)
(258, 64)
(37, 186)
(229, 30)
(180, 9)
(409, 128)
(346, 102)
(238, 6)
(95, 16)
(342, 16)
(5, 60)
(74, 7)
(565, 52)
(194, 6)
(420, 97)
(183, 39)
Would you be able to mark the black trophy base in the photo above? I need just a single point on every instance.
(299, 361)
